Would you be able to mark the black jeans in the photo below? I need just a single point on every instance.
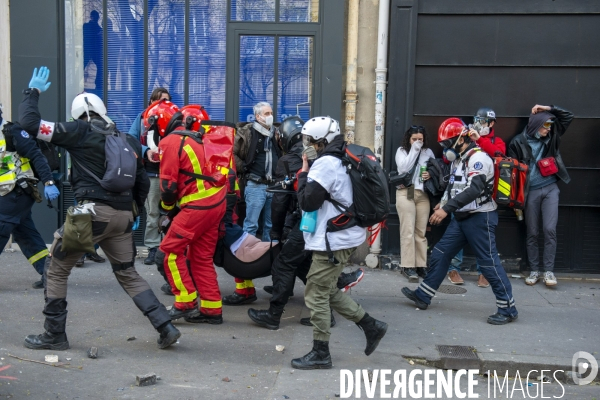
(293, 261)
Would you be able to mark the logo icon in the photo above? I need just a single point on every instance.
(584, 364)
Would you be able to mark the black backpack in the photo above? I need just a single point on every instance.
(121, 161)
(370, 193)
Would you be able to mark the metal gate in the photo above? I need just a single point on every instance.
(450, 58)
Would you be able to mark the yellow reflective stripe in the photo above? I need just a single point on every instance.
(36, 257)
(249, 284)
(211, 304)
(503, 187)
(2, 142)
(240, 285)
(202, 193)
(166, 207)
(184, 296)
(25, 165)
(9, 176)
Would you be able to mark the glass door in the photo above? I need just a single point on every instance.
(277, 69)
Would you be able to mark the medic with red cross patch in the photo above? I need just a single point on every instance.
(469, 198)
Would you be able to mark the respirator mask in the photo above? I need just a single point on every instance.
(450, 153)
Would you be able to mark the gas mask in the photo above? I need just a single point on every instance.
(450, 153)
(482, 130)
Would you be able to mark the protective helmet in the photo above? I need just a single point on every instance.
(485, 114)
(450, 129)
(192, 115)
(291, 132)
(84, 102)
(158, 117)
(320, 128)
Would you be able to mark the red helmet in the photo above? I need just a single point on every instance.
(192, 115)
(451, 128)
(160, 114)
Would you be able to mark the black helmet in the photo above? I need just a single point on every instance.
(487, 113)
(291, 132)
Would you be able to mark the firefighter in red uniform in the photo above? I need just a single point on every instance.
(199, 188)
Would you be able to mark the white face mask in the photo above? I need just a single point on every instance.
(268, 120)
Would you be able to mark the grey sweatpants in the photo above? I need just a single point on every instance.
(544, 202)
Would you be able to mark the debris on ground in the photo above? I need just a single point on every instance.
(226, 379)
(131, 338)
(51, 358)
(92, 352)
(279, 347)
(145, 380)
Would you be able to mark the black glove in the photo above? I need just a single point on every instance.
(286, 232)
(275, 236)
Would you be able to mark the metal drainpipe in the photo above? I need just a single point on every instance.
(372, 260)
(351, 61)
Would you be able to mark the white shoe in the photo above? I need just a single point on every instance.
(549, 278)
(532, 278)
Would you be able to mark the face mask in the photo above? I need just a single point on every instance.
(451, 154)
(268, 120)
(482, 130)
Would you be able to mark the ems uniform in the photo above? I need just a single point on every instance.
(111, 223)
(15, 202)
(475, 219)
(193, 234)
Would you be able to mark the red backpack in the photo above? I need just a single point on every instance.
(510, 181)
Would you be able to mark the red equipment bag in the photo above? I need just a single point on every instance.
(510, 180)
(547, 166)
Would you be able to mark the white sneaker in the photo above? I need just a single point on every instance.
(549, 278)
(532, 278)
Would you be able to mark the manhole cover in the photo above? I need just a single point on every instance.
(458, 357)
(451, 289)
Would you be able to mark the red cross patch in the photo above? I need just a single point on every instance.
(46, 131)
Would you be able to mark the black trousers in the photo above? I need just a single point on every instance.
(293, 261)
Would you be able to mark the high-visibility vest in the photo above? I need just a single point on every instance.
(12, 168)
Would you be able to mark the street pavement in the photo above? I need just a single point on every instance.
(239, 360)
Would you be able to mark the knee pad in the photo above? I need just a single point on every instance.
(121, 267)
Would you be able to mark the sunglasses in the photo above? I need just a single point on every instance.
(417, 128)
(547, 125)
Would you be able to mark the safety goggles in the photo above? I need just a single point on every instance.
(307, 140)
(481, 120)
(548, 124)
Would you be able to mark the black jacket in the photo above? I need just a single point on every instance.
(87, 147)
(282, 203)
(520, 149)
(26, 146)
(312, 195)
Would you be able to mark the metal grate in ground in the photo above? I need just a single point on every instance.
(458, 357)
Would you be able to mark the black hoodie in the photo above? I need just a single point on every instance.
(520, 149)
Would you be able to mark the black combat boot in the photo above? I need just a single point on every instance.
(374, 331)
(317, 358)
(306, 321)
(264, 318)
(47, 340)
(168, 335)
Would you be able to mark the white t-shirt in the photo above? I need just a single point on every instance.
(329, 172)
(404, 162)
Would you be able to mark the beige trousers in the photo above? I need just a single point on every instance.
(413, 215)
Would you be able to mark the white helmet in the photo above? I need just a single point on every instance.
(84, 102)
(319, 128)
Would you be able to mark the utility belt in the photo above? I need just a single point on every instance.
(29, 187)
(257, 179)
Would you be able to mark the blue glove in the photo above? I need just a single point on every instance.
(51, 192)
(39, 80)
(136, 223)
